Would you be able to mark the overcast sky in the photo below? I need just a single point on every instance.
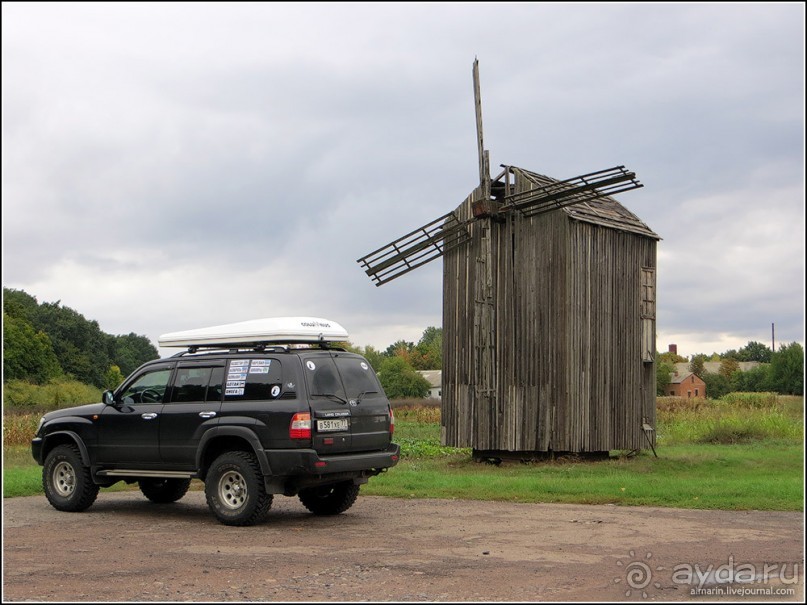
(175, 166)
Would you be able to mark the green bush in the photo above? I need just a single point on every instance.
(751, 400)
(23, 396)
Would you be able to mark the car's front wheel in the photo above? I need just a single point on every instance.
(329, 499)
(66, 481)
(163, 491)
(235, 490)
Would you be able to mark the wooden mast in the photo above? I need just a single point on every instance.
(484, 380)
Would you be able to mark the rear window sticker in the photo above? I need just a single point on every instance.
(234, 391)
(236, 376)
(311, 365)
(239, 362)
(259, 370)
(261, 362)
(363, 366)
(275, 391)
(232, 384)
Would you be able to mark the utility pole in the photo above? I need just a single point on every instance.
(773, 341)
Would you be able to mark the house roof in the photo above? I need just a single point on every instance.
(713, 367)
(434, 377)
(681, 377)
(604, 211)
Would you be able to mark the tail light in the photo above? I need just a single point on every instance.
(391, 422)
(300, 427)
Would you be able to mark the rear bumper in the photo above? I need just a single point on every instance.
(309, 462)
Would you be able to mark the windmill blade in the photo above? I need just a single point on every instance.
(415, 249)
(572, 191)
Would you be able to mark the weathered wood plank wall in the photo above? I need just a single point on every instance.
(542, 336)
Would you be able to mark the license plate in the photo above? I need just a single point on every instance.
(337, 424)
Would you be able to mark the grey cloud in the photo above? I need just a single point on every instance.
(313, 134)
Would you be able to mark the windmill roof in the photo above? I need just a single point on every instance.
(604, 211)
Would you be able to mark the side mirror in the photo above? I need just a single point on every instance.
(108, 398)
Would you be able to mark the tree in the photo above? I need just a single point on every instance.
(696, 365)
(401, 348)
(755, 380)
(672, 358)
(27, 354)
(755, 351)
(400, 380)
(787, 369)
(428, 354)
(728, 367)
(717, 385)
(373, 356)
(113, 377)
(20, 304)
(81, 349)
(664, 372)
(131, 351)
(78, 343)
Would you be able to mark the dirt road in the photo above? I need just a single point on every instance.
(125, 548)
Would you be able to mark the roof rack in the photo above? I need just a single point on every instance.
(258, 347)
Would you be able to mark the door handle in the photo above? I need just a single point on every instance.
(148, 416)
(207, 414)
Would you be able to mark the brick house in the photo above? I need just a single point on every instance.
(685, 384)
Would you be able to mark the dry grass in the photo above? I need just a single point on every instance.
(19, 429)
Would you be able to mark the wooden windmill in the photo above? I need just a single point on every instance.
(548, 311)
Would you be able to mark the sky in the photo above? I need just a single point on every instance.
(175, 166)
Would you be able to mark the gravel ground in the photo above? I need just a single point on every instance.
(125, 548)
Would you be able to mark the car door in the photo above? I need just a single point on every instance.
(192, 408)
(369, 406)
(129, 430)
(330, 410)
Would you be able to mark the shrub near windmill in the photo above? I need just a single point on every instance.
(548, 312)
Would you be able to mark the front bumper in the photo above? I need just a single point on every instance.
(36, 449)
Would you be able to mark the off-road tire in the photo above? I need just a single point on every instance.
(66, 481)
(235, 490)
(329, 499)
(164, 491)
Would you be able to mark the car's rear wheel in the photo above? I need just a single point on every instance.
(330, 499)
(235, 490)
(66, 481)
(163, 491)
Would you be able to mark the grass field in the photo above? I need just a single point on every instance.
(733, 454)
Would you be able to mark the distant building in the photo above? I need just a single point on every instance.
(685, 384)
(435, 379)
(713, 367)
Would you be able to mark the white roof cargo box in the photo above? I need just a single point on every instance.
(256, 331)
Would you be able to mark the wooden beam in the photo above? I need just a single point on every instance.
(484, 162)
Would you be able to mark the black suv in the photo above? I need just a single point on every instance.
(250, 422)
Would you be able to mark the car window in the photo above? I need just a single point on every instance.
(322, 377)
(197, 384)
(214, 387)
(358, 376)
(149, 387)
(253, 379)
